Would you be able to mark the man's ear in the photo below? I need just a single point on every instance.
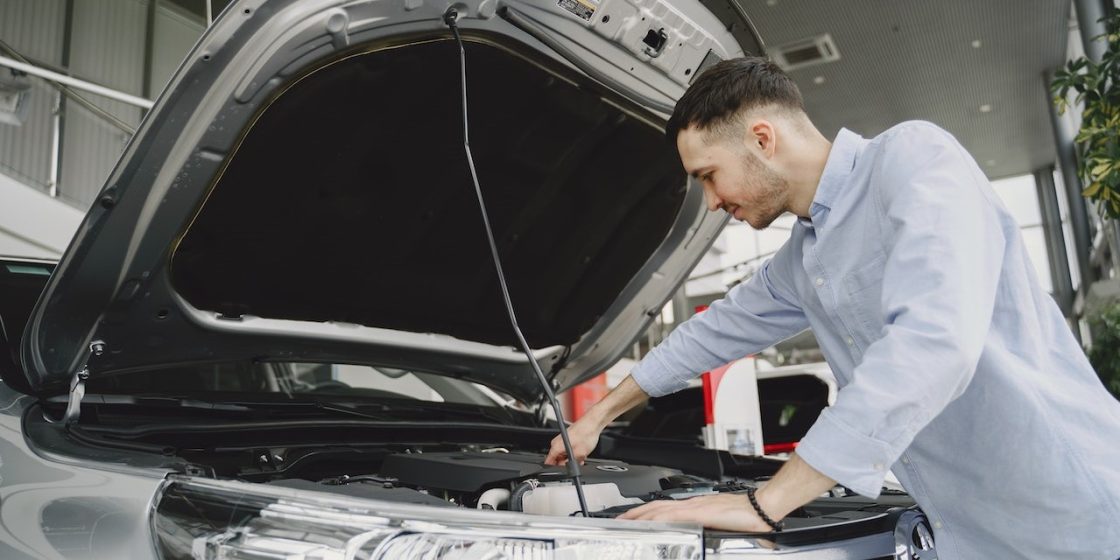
(762, 136)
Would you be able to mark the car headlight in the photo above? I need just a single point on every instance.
(205, 519)
(914, 538)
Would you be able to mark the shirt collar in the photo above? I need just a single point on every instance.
(841, 161)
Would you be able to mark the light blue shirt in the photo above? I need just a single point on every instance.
(956, 369)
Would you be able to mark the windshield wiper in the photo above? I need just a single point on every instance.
(495, 414)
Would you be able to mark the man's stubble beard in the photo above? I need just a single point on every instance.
(772, 193)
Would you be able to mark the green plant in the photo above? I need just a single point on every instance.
(1105, 353)
(1098, 141)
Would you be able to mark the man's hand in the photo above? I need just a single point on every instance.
(584, 435)
(794, 485)
(585, 432)
(727, 512)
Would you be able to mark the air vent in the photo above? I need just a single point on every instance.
(807, 52)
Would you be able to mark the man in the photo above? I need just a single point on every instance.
(957, 371)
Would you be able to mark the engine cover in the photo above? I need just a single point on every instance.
(472, 471)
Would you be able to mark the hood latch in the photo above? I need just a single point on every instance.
(78, 387)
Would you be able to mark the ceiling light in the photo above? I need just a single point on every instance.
(991, 162)
(985, 108)
(818, 80)
(976, 43)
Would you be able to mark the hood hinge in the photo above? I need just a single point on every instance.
(78, 387)
(77, 391)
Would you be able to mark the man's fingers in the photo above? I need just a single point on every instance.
(556, 458)
(727, 512)
(559, 456)
(670, 513)
(643, 511)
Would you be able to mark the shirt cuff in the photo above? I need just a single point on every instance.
(655, 378)
(852, 459)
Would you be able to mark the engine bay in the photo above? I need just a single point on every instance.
(499, 479)
(496, 478)
(475, 466)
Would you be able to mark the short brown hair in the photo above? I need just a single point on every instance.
(722, 91)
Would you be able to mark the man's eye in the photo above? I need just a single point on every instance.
(707, 178)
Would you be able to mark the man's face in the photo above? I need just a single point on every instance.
(735, 180)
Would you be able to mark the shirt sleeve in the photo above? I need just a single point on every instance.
(753, 316)
(945, 248)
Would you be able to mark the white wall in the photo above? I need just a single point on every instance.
(33, 224)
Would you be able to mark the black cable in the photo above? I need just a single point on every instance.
(450, 17)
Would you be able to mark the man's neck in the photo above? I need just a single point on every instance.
(806, 165)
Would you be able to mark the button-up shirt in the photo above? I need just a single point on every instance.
(956, 369)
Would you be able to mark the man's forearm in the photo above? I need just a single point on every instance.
(627, 395)
(794, 485)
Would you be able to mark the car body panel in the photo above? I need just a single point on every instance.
(53, 506)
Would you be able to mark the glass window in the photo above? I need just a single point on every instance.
(296, 379)
(1020, 196)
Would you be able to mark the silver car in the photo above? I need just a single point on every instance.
(279, 333)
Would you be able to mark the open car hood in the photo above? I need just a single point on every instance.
(300, 192)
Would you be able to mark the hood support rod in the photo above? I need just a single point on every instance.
(451, 17)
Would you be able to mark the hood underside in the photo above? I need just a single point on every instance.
(301, 193)
(350, 200)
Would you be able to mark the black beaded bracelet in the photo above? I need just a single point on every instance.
(775, 525)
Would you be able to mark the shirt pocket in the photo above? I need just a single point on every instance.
(863, 291)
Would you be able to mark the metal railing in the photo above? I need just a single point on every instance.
(68, 86)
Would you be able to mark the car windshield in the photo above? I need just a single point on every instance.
(298, 380)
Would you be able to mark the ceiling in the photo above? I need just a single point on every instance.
(915, 59)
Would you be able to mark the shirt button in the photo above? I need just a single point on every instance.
(849, 341)
(820, 281)
(905, 461)
(937, 525)
(878, 466)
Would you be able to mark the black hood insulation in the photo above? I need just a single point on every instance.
(350, 200)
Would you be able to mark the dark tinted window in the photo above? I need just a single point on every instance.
(20, 286)
(788, 406)
(295, 380)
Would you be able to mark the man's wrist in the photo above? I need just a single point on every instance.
(770, 502)
(794, 485)
(771, 523)
(597, 417)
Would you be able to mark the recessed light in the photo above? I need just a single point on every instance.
(991, 162)
(985, 108)
(771, 2)
(818, 80)
(976, 43)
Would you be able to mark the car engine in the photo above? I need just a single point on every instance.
(499, 479)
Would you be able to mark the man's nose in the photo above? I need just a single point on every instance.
(714, 203)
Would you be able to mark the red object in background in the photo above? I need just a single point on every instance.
(585, 395)
(772, 448)
(711, 381)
